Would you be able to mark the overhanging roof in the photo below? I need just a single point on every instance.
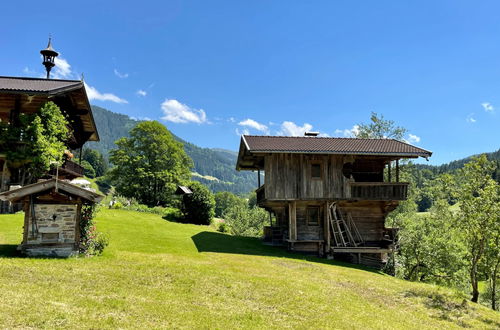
(31, 93)
(47, 185)
(38, 85)
(252, 145)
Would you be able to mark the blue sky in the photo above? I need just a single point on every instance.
(211, 70)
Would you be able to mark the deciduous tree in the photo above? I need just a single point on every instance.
(149, 164)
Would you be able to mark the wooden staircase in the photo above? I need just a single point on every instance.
(343, 229)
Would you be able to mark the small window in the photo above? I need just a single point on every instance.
(316, 171)
(313, 216)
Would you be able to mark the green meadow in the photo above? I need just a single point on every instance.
(161, 274)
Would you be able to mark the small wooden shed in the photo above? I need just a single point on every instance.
(52, 215)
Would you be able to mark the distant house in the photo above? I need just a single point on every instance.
(27, 95)
(329, 195)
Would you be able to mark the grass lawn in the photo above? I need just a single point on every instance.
(160, 274)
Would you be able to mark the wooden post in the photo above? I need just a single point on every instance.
(326, 228)
(292, 216)
(389, 171)
(397, 170)
(258, 178)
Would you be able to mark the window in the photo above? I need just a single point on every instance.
(313, 216)
(316, 171)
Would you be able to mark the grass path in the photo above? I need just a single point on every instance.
(160, 274)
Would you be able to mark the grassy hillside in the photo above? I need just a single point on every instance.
(158, 274)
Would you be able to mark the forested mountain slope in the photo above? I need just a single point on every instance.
(213, 167)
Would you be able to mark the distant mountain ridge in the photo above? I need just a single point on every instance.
(213, 167)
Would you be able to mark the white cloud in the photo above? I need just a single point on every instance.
(488, 107)
(253, 124)
(413, 138)
(231, 120)
(470, 118)
(177, 112)
(120, 75)
(62, 70)
(141, 92)
(289, 128)
(94, 94)
(348, 132)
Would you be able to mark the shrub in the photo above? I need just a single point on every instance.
(198, 207)
(91, 242)
(245, 221)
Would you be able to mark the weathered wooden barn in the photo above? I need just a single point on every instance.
(329, 195)
(52, 216)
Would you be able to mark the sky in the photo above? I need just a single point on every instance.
(213, 70)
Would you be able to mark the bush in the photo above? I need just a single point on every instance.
(245, 221)
(91, 242)
(198, 207)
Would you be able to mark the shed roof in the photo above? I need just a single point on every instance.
(255, 144)
(183, 190)
(47, 185)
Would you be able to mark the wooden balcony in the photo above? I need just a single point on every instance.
(396, 191)
(70, 170)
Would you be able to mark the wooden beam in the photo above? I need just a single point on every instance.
(326, 227)
(292, 220)
(258, 178)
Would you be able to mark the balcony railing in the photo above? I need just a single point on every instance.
(72, 168)
(379, 190)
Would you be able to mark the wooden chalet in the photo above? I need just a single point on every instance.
(52, 216)
(27, 95)
(329, 196)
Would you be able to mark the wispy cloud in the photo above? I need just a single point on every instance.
(141, 92)
(412, 138)
(255, 125)
(94, 94)
(30, 72)
(120, 75)
(177, 112)
(62, 70)
(488, 107)
(348, 132)
(470, 118)
(243, 131)
(289, 128)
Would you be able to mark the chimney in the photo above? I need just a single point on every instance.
(311, 133)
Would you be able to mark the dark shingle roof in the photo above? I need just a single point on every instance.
(324, 145)
(37, 85)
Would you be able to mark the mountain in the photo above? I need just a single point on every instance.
(456, 164)
(213, 167)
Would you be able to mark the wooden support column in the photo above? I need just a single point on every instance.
(258, 178)
(397, 170)
(292, 221)
(326, 227)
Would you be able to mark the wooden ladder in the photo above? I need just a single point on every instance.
(344, 232)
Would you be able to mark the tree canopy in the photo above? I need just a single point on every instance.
(149, 165)
(35, 141)
(380, 128)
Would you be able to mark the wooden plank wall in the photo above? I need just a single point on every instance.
(288, 177)
(369, 218)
